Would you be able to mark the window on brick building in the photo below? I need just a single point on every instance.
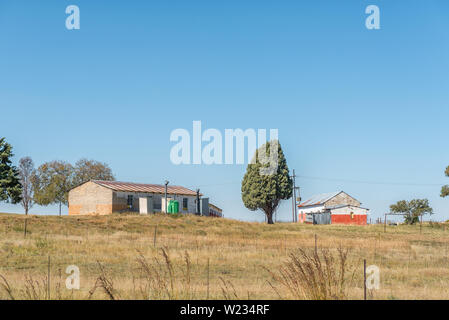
(130, 200)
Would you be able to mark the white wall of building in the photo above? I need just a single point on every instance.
(157, 200)
(349, 210)
(311, 209)
(302, 212)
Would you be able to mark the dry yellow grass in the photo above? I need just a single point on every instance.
(117, 257)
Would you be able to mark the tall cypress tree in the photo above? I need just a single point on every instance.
(263, 187)
(10, 187)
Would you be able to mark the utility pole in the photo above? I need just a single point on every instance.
(166, 189)
(294, 210)
(198, 202)
(293, 198)
(297, 198)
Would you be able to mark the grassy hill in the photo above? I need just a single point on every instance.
(188, 257)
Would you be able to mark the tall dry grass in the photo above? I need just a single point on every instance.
(159, 280)
(199, 258)
(315, 274)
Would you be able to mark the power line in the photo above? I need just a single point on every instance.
(214, 184)
(393, 183)
(373, 182)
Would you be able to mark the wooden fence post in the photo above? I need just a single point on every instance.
(155, 234)
(25, 228)
(364, 279)
(208, 277)
(48, 279)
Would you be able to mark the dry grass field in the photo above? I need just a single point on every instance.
(191, 257)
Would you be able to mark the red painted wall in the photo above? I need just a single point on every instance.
(358, 219)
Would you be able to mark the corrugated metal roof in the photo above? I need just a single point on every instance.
(319, 199)
(215, 207)
(146, 188)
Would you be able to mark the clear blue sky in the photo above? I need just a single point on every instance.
(349, 103)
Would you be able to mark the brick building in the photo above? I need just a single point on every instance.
(332, 208)
(215, 211)
(105, 197)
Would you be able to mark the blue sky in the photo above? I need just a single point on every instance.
(364, 111)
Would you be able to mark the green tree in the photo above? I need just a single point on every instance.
(265, 185)
(445, 189)
(52, 183)
(86, 170)
(10, 187)
(412, 210)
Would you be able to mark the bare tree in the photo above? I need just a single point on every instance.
(26, 172)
